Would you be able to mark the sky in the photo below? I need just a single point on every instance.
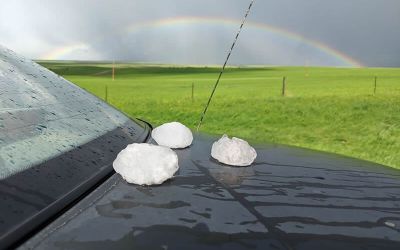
(350, 33)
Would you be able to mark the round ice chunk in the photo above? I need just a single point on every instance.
(234, 152)
(146, 164)
(173, 135)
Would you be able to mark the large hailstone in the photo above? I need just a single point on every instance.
(234, 152)
(173, 135)
(146, 164)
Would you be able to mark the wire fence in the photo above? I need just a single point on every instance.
(258, 87)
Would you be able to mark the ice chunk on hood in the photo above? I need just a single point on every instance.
(146, 164)
(234, 152)
(173, 135)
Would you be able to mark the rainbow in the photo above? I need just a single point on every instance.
(61, 52)
(290, 35)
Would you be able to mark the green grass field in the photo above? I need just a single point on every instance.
(329, 109)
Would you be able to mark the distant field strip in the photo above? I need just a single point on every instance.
(226, 79)
(331, 109)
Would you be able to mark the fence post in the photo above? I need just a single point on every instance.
(375, 85)
(113, 71)
(284, 86)
(192, 91)
(106, 92)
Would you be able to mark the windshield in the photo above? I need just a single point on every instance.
(42, 115)
(57, 142)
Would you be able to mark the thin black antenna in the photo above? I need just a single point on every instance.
(223, 67)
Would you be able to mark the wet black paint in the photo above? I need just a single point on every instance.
(290, 198)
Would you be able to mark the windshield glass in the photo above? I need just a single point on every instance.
(57, 142)
(42, 115)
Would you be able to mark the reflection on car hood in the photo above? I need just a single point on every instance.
(291, 198)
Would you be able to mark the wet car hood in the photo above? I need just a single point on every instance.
(291, 198)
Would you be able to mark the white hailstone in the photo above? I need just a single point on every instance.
(390, 224)
(234, 152)
(146, 164)
(173, 135)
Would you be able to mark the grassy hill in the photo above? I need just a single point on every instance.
(329, 109)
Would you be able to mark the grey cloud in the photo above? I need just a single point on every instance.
(364, 30)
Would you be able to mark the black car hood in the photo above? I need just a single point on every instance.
(290, 198)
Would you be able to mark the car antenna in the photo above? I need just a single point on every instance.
(223, 67)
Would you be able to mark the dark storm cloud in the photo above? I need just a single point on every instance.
(365, 30)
